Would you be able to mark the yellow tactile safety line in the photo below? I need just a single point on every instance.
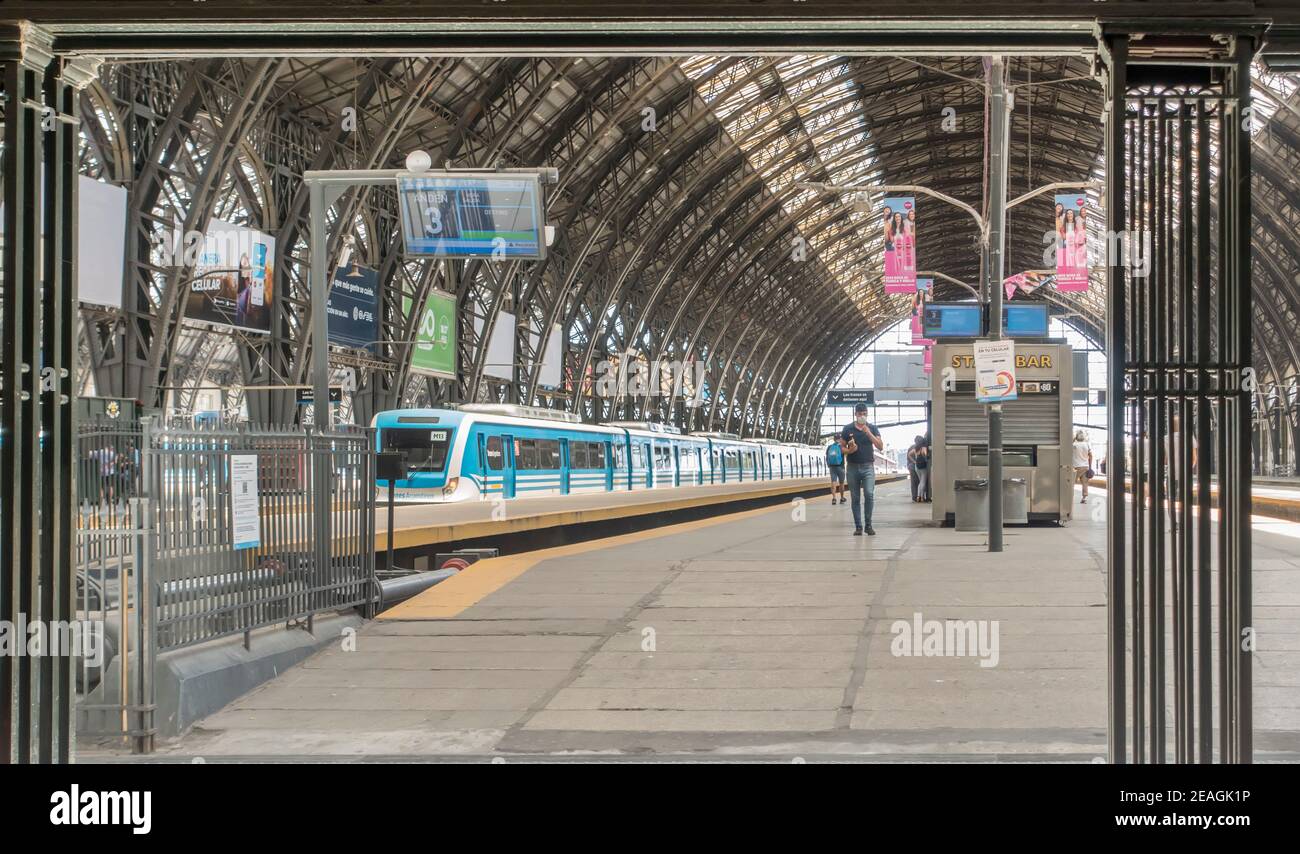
(456, 594)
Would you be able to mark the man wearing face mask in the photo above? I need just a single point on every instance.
(861, 441)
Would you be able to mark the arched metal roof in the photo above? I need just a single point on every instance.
(679, 208)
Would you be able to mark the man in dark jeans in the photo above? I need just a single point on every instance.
(861, 441)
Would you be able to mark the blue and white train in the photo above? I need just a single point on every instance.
(483, 450)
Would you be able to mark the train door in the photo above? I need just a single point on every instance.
(609, 466)
(648, 454)
(699, 466)
(483, 471)
(677, 465)
(508, 466)
(564, 466)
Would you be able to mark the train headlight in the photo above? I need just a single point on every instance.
(450, 488)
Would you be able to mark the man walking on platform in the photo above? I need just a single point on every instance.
(861, 441)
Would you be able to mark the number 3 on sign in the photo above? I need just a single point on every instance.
(434, 215)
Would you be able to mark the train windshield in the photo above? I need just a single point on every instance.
(424, 450)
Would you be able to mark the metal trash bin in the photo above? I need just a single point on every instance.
(971, 512)
(1015, 501)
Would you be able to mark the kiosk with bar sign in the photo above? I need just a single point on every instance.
(1036, 424)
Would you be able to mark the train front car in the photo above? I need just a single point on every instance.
(431, 443)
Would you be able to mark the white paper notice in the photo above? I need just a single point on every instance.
(245, 524)
(995, 371)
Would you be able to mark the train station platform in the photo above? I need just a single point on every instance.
(771, 634)
(421, 525)
(1274, 497)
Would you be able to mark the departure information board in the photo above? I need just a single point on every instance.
(473, 215)
(1027, 320)
(953, 320)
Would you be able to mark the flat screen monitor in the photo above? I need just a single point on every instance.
(473, 215)
(1025, 321)
(953, 320)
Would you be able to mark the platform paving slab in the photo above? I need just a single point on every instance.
(764, 633)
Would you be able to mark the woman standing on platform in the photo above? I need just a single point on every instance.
(1082, 461)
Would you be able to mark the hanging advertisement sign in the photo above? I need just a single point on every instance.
(245, 523)
(898, 222)
(353, 308)
(435, 336)
(101, 247)
(500, 346)
(924, 287)
(995, 371)
(1071, 242)
(233, 280)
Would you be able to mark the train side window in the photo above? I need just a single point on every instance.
(578, 452)
(528, 454)
(596, 455)
(620, 456)
(548, 453)
(495, 459)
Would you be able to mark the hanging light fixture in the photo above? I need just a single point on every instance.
(350, 252)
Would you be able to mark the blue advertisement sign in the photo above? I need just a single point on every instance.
(353, 308)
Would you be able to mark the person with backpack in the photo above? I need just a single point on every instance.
(835, 463)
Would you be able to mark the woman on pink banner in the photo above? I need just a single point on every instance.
(909, 229)
(1071, 244)
(891, 243)
(1080, 240)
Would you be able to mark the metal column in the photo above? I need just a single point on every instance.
(37, 370)
(999, 144)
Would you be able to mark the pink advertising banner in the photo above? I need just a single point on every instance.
(898, 221)
(924, 287)
(1071, 242)
(929, 360)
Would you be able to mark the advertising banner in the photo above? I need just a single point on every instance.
(233, 280)
(435, 336)
(928, 367)
(501, 346)
(995, 371)
(924, 287)
(100, 241)
(353, 308)
(1071, 242)
(898, 221)
(552, 359)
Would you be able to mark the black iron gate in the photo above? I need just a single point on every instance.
(1180, 380)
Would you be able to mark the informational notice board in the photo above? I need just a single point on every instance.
(995, 371)
(245, 523)
(473, 215)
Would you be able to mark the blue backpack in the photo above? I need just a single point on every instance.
(834, 455)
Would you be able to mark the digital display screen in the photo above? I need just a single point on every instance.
(459, 215)
(953, 320)
(1025, 321)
